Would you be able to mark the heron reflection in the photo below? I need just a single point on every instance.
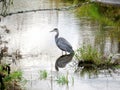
(63, 60)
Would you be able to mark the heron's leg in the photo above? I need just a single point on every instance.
(62, 53)
(65, 53)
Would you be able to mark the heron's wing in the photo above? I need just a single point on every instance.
(63, 43)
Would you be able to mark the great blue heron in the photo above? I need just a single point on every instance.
(62, 43)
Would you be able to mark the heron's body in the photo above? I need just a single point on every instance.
(62, 43)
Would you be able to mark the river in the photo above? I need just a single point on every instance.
(30, 33)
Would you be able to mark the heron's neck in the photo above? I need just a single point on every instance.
(56, 36)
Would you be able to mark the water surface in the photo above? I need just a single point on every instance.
(30, 33)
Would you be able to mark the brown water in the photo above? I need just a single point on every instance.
(30, 34)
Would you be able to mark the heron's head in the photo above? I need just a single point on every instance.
(54, 30)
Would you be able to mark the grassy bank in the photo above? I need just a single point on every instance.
(103, 14)
(89, 56)
(92, 62)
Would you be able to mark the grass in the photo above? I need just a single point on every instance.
(92, 62)
(105, 15)
(43, 74)
(62, 80)
(14, 76)
(9, 80)
(89, 54)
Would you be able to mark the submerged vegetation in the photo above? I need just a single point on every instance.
(62, 80)
(43, 74)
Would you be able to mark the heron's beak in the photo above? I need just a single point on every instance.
(52, 31)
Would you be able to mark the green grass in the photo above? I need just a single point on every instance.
(9, 78)
(118, 66)
(91, 62)
(62, 80)
(14, 76)
(101, 14)
(89, 57)
(43, 74)
(88, 53)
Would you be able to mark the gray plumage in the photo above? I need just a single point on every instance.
(62, 43)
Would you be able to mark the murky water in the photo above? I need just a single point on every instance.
(30, 33)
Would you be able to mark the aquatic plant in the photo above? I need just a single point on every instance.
(9, 80)
(43, 74)
(62, 79)
(92, 62)
(12, 80)
(14, 76)
(88, 54)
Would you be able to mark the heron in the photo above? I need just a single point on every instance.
(62, 43)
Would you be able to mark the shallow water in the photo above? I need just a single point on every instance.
(30, 33)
